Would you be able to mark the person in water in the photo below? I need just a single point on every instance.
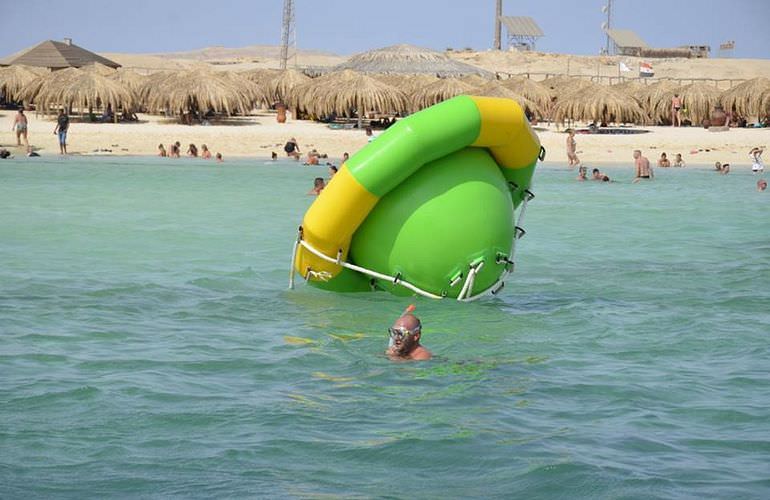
(663, 161)
(582, 173)
(596, 175)
(405, 340)
(761, 185)
(318, 186)
(642, 164)
(205, 153)
(162, 150)
(678, 161)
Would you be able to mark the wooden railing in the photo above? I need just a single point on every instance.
(610, 80)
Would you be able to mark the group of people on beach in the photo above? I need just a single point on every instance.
(20, 127)
(175, 151)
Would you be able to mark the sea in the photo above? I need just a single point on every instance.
(150, 346)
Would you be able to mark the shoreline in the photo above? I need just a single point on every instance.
(256, 136)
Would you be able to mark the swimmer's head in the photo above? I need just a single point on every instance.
(405, 333)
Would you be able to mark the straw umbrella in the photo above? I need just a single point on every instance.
(197, 90)
(441, 90)
(495, 89)
(532, 90)
(598, 103)
(697, 98)
(749, 99)
(475, 80)
(562, 85)
(251, 89)
(14, 80)
(84, 90)
(261, 76)
(280, 87)
(98, 68)
(407, 83)
(130, 79)
(409, 59)
(651, 96)
(344, 91)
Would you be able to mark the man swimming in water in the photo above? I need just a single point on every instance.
(405, 337)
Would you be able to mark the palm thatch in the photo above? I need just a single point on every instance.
(99, 69)
(261, 76)
(651, 95)
(197, 90)
(14, 80)
(280, 87)
(84, 90)
(749, 99)
(130, 79)
(475, 80)
(562, 85)
(408, 59)
(347, 93)
(495, 89)
(407, 83)
(532, 90)
(698, 100)
(630, 87)
(440, 90)
(251, 89)
(598, 103)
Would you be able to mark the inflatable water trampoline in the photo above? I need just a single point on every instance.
(428, 208)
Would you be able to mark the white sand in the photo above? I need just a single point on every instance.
(258, 136)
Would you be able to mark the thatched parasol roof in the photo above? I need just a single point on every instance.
(440, 90)
(14, 80)
(475, 80)
(82, 89)
(650, 95)
(409, 59)
(598, 103)
(98, 68)
(749, 99)
(698, 100)
(130, 79)
(280, 87)
(260, 76)
(251, 89)
(346, 92)
(407, 83)
(562, 85)
(495, 89)
(532, 90)
(198, 89)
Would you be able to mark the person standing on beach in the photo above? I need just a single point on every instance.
(20, 127)
(62, 126)
(643, 169)
(676, 106)
(571, 148)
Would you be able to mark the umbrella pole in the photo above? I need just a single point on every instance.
(358, 112)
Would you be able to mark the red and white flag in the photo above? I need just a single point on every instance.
(645, 69)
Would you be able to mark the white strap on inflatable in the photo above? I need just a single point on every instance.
(466, 293)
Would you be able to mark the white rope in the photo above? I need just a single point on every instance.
(466, 293)
(373, 274)
(291, 268)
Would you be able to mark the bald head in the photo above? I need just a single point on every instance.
(407, 321)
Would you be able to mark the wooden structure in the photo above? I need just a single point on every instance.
(57, 55)
(522, 31)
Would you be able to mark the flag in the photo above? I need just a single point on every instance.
(645, 69)
(623, 66)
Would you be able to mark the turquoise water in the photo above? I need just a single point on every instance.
(149, 346)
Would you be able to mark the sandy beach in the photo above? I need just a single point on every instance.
(257, 136)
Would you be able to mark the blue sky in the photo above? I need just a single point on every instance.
(350, 26)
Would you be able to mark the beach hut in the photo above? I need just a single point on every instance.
(197, 91)
(56, 55)
(82, 90)
(348, 93)
(750, 99)
(14, 80)
(438, 91)
(410, 60)
(598, 103)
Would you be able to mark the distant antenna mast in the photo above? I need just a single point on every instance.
(498, 28)
(608, 24)
(288, 36)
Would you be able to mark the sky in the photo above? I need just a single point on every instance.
(347, 27)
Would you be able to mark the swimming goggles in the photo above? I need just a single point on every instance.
(399, 333)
